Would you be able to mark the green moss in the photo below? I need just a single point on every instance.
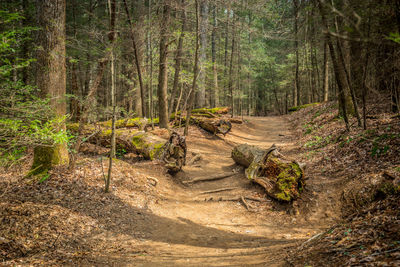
(137, 141)
(288, 182)
(73, 127)
(46, 158)
(155, 150)
(297, 108)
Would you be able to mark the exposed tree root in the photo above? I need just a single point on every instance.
(212, 178)
(218, 190)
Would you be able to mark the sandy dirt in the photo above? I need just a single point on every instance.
(154, 219)
(190, 231)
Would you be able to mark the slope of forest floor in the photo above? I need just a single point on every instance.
(362, 169)
(152, 218)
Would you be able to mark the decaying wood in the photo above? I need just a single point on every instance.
(208, 178)
(282, 180)
(172, 151)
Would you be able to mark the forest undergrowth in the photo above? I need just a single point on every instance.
(362, 168)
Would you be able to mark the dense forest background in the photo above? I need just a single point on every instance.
(150, 58)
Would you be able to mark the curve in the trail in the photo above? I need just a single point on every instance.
(221, 233)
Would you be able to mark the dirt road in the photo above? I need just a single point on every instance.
(186, 230)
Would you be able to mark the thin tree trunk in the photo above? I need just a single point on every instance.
(192, 92)
(339, 75)
(214, 94)
(151, 67)
(326, 72)
(201, 95)
(296, 93)
(230, 83)
(178, 60)
(137, 62)
(163, 70)
(111, 36)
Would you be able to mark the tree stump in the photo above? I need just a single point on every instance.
(283, 180)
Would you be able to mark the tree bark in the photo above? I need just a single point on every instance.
(214, 93)
(192, 92)
(282, 180)
(163, 68)
(178, 60)
(339, 75)
(201, 93)
(137, 62)
(326, 72)
(51, 75)
(296, 92)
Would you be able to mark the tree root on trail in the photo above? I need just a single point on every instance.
(218, 190)
(236, 199)
(212, 178)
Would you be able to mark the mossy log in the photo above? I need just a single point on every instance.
(150, 146)
(282, 180)
(211, 125)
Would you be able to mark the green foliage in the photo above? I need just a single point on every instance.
(394, 36)
(318, 142)
(26, 119)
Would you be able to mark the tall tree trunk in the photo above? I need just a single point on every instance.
(296, 93)
(178, 60)
(150, 55)
(201, 96)
(163, 68)
(230, 81)
(51, 75)
(326, 72)
(137, 55)
(192, 92)
(339, 73)
(228, 14)
(214, 93)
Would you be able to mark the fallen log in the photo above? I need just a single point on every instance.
(282, 180)
(172, 151)
(211, 125)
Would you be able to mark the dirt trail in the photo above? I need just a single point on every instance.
(182, 229)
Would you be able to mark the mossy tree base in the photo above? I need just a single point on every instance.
(47, 157)
(282, 180)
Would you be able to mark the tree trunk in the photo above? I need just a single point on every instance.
(51, 75)
(296, 93)
(163, 69)
(178, 60)
(339, 74)
(326, 72)
(282, 180)
(192, 92)
(230, 81)
(201, 95)
(214, 93)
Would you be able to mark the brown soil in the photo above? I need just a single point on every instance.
(154, 219)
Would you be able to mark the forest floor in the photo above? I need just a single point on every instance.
(153, 219)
